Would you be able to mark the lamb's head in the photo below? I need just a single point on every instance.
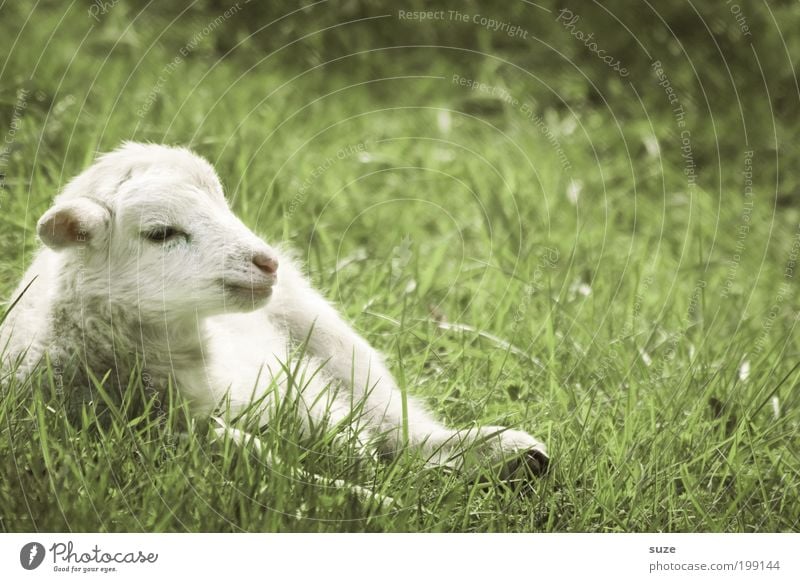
(148, 227)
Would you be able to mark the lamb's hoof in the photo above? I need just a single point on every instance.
(537, 462)
(530, 463)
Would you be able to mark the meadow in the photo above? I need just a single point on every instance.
(595, 270)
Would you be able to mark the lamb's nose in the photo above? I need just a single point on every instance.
(266, 263)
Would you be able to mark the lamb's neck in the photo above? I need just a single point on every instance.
(167, 345)
(114, 336)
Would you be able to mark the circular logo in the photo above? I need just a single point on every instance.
(31, 555)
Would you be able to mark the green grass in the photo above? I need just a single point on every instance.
(599, 325)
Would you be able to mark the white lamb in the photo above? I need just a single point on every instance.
(144, 259)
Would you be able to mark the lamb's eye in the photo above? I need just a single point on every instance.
(162, 234)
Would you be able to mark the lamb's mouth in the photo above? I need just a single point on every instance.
(247, 290)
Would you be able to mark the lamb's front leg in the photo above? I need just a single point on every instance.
(309, 317)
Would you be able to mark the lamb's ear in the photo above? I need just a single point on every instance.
(74, 222)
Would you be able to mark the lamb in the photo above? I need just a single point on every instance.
(143, 261)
